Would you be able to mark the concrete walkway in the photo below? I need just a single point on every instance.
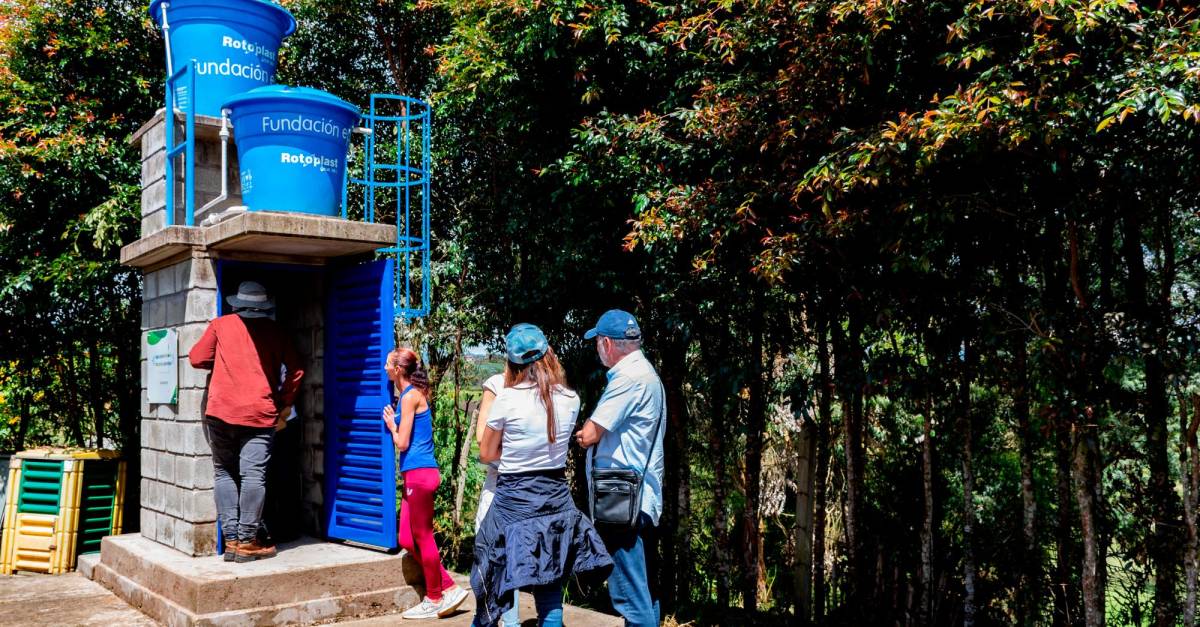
(65, 600)
(573, 616)
(73, 600)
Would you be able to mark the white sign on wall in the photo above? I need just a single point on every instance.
(162, 365)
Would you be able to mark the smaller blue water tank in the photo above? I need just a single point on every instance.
(292, 144)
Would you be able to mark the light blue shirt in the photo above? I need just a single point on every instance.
(632, 406)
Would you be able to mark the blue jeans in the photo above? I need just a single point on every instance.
(634, 566)
(512, 618)
(547, 599)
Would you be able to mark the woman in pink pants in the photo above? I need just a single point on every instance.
(413, 436)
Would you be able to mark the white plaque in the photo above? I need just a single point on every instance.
(162, 365)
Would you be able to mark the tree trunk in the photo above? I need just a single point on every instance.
(1163, 542)
(129, 408)
(821, 488)
(96, 390)
(1066, 607)
(926, 610)
(673, 537)
(26, 415)
(968, 479)
(1189, 465)
(1029, 592)
(69, 409)
(460, 480)
(803, 532)
(723, 417)
(851, 380)
(756, 421)
(1054, 304)
(461, 436)
(1086, 468)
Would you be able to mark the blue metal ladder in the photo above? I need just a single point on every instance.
(406, 170)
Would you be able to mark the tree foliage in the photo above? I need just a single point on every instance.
(920, 277)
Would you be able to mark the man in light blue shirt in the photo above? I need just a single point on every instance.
(627, 430)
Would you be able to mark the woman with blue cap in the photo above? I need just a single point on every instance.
(532, 536)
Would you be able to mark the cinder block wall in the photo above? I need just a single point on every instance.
(208, 173)
(178, 509)
(177, 505)
(307, 329)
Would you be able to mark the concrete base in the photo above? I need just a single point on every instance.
(308, 581)
(86, 564)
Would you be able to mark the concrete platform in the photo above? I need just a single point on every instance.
(304, 236)
(279, 236)
(308, 581)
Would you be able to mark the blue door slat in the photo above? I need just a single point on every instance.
(360, 464)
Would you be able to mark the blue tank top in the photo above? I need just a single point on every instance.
(420, 445)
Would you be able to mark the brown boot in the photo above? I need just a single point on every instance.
(250, 551)
(231, 550)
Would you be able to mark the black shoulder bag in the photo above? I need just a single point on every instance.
(616, 495)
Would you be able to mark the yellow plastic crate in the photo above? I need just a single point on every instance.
(10, 517)
(35, 544)
(43, 516)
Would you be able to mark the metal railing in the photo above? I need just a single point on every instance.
(187, 148)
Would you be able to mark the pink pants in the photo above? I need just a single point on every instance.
(416, 528)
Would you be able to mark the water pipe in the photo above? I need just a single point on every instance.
(224, 164)
(167, 38)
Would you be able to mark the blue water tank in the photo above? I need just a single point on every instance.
(232, 44)
(292, 144)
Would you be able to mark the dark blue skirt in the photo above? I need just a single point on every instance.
(533, 535)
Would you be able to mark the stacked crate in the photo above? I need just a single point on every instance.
(60, 505)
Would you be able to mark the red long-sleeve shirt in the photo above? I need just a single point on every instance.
(245, 355)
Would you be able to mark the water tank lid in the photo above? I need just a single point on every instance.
(286, 18)
(284, 93)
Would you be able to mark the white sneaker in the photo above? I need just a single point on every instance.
(428, 608)
(451, 599)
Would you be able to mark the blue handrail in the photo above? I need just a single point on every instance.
(187, 148)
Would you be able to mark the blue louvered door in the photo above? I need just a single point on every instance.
(360, 461)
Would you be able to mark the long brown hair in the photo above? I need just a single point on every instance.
(410, 365)
(546, 374)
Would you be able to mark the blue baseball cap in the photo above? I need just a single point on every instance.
(525, 344)
(617, 324)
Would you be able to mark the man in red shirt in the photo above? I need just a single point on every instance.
(247, 351)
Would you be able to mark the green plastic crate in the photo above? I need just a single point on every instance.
(97, 504)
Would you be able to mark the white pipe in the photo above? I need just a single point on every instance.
(224, 164)
(167, 38)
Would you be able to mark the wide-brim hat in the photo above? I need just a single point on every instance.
(251, 300)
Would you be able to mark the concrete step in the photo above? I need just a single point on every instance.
(308, 581)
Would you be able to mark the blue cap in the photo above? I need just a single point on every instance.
(617, 324)
(525, 344)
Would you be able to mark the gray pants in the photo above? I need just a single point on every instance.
(240, 457)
